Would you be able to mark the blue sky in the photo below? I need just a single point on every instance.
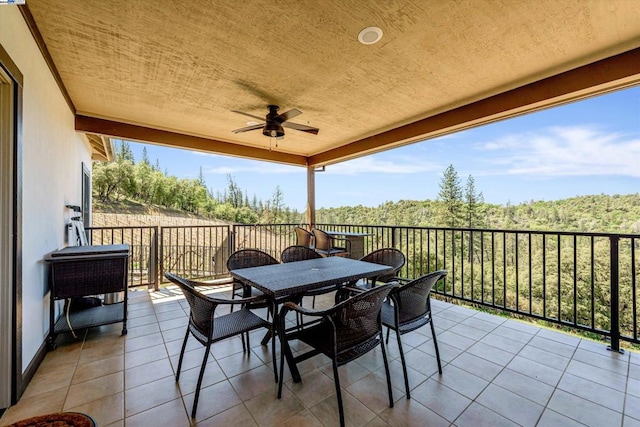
(586, 147)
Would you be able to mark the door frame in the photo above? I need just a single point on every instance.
(11, 212)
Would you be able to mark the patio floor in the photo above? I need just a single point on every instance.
(495, 372)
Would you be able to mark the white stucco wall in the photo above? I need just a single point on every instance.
(53, 153)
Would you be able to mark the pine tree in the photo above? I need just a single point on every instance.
(451, 197)
(201, 180)
(472, 201)
(145, 157)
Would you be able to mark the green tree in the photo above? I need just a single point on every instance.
(450, 196)
(472, 201)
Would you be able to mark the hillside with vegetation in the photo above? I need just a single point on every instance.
(140, 187)
(125, 183)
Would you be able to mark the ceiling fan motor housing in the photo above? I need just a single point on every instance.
(272, 127)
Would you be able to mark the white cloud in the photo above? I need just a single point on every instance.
(565, 151)
(371, 164)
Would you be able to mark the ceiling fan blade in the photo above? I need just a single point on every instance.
(288, 115)
(303, 128)
(248, 128)
(248, 115)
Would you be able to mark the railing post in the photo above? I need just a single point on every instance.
(615, 295)
(153, 260)
(161, 255)
(393, 237)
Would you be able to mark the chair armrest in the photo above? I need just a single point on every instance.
(354, 289)
(248, 300)
(346, 243)
(291, 306)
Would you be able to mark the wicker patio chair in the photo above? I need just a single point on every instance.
(343, 333)
(298, 253)
(245, 258)
(409, 308)
(385, 256)
(324, 244)
(208, 328)
(303, 237)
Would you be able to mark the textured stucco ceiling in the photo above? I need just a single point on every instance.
(183, 66)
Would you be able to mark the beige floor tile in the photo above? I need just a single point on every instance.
(349, 373)
(442, 400)
(236, 416)
(142, 342)
(372, 391)
(314, 387)
(266, 409)
(582, 410)
(512, 406)
(213, 400)
(65, 354)
(104, 411)
(142, 330)
(147, 373)
(189, 377)
(144, 356)
(254, 382)
(99, 368)
(27, 407)
(95, 389)
(171, 414)
(240, 390)
(46, 380)
(411, 413)
(100, 350)
(355, 413)
(147, 396)
(477, 415)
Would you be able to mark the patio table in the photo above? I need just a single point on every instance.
(282, 281)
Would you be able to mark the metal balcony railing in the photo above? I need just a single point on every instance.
(585, 281)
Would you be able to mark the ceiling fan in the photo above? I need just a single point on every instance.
(274, 123)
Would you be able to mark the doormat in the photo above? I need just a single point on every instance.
(61, 419)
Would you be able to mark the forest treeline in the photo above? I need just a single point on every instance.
(144, 182)
(457, 205)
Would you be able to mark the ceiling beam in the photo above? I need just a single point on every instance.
(613, 73)
(177, 140)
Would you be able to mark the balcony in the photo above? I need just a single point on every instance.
(581, 281)
(496, 371)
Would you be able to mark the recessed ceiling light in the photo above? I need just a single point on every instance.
(370, 35)
(252, 123)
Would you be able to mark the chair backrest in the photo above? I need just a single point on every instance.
(386, 256)
(303, 237)
(298, 253)
(202, 307)
(245, 258)
(357, 322)
(323, 241)
(412, 298)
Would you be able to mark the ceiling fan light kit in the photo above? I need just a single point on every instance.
(274, 123)
(273, 130)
